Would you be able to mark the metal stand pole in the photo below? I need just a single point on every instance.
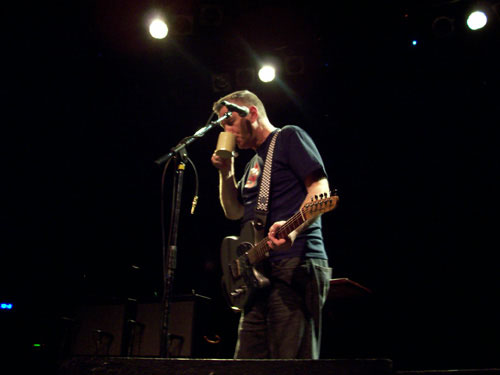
(170, 252)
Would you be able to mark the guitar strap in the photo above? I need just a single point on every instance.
(261, 209)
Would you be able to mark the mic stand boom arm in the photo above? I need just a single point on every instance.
(188, 140)
(179, 153)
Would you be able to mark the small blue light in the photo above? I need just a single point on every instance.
(414, 42)
(6, 306)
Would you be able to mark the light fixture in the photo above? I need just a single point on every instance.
(221, 82)
(182, 25)
(267, 73)
(245, 77)
(477, 20)
(158, 28)
(294, 65)
(443, 26)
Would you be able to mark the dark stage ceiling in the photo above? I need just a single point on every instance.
(409, 135)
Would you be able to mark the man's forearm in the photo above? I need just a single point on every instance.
(228, 195)
(314, 188)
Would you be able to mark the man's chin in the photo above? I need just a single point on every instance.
(240, 145)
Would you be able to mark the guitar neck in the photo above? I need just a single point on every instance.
(261, 251)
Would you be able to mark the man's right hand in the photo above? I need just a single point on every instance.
(224, 165)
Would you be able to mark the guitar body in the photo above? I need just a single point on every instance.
(240, 278)
(240, 256)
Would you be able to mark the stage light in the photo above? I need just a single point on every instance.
(6, 306)
(158, 29)
(267, 73)
(477, 20)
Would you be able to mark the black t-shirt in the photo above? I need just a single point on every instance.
(295, 157)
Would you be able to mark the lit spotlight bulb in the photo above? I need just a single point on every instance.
(267, 73)
(476, 20)
(158, 29)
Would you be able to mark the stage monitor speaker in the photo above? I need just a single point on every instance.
(100, 329)
(133, 329)
(181, 329)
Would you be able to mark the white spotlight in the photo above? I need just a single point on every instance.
(476, 20)
(267, 73)
(158, 29)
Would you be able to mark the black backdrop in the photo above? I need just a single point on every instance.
(409, 135)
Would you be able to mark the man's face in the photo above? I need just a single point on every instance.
(241, 127)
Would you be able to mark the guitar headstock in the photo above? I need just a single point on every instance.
(320, 204)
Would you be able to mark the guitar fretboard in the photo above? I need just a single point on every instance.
(260, 251)
(315, 208)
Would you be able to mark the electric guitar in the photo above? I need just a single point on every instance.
(239, 255)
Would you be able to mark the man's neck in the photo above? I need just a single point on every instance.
(264, 129)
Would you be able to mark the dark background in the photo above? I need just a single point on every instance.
(409, 135)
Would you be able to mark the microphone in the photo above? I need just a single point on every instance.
(242, 111)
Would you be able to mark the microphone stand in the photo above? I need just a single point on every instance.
(179, 154)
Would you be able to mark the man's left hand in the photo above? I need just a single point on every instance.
(277, 242)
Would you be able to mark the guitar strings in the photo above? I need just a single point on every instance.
(262, 247)
(295, 221)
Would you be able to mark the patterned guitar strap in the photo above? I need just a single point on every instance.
(261, 209)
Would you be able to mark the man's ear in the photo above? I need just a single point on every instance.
(253, 113)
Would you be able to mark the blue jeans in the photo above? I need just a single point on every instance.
(284, 322)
